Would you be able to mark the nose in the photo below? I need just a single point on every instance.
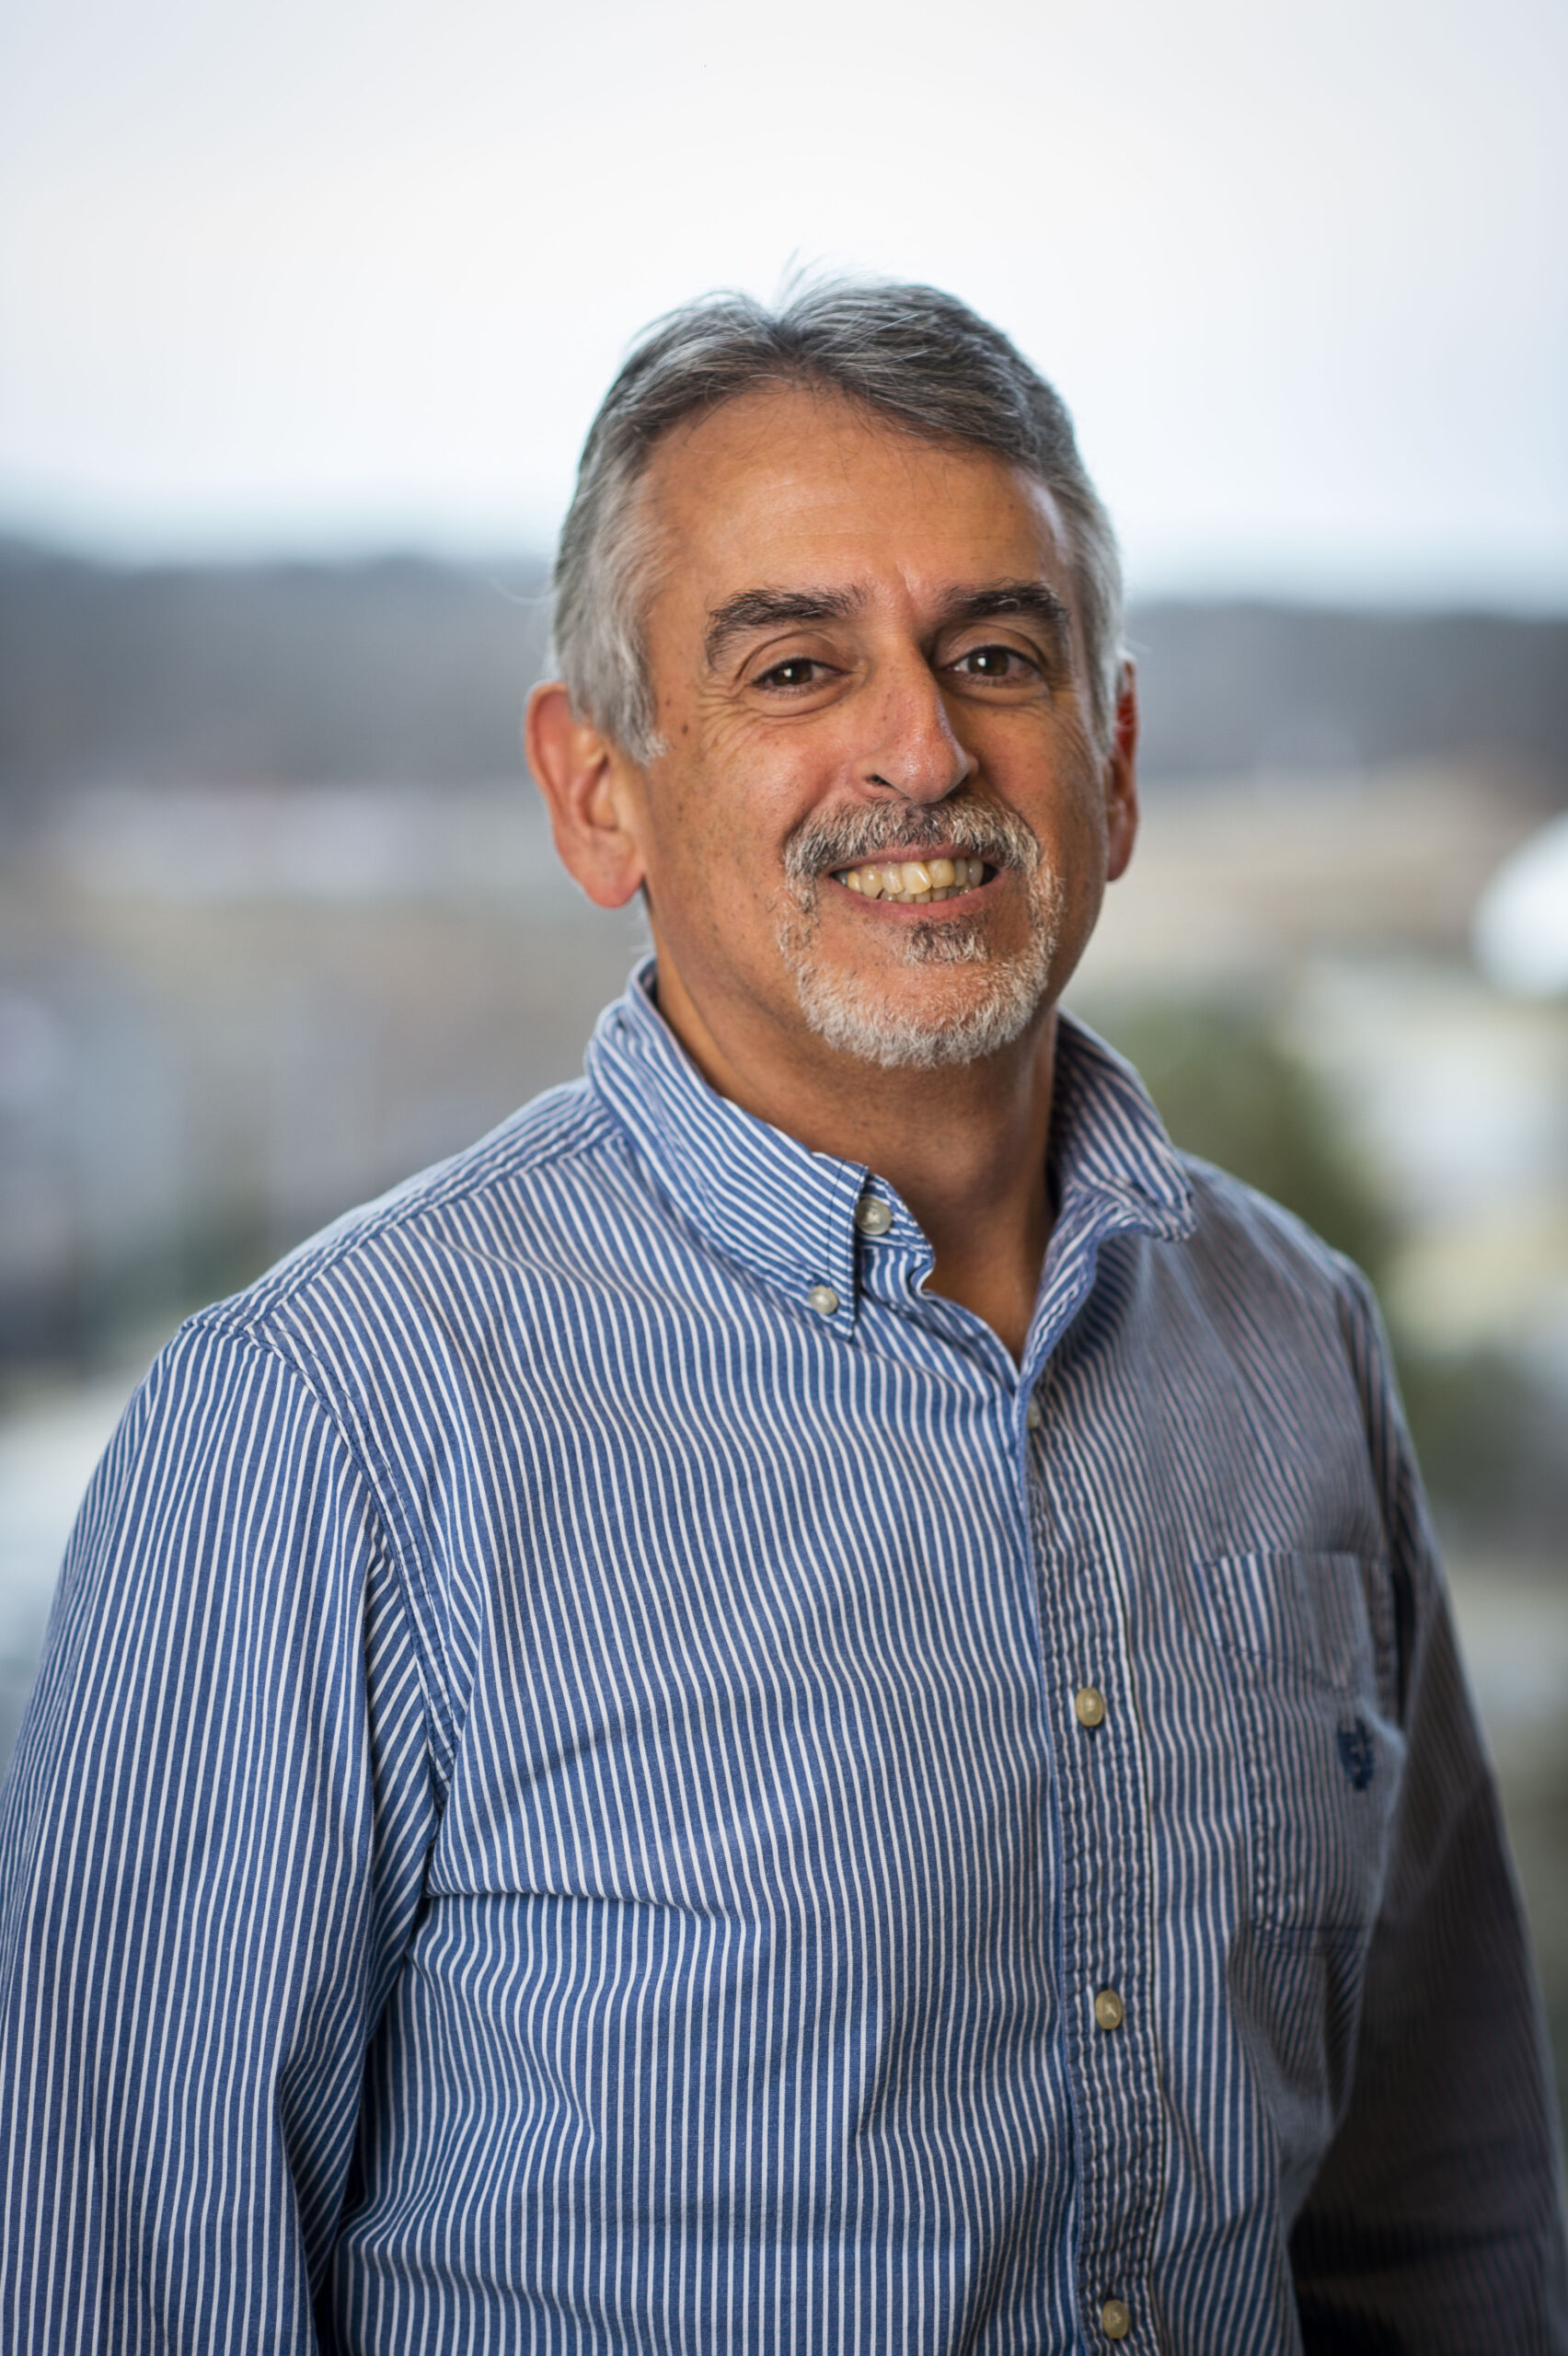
(911, 747)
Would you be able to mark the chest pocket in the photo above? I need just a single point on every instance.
(1310, 1643)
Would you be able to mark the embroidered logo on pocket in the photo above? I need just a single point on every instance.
(1356, 1754)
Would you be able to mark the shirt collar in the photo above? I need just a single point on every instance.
(753, 1192)
(760, 1197)
(1110, 1153)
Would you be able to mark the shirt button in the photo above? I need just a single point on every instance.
(1108, 2010)
(823, 1299)
(1115, 2319)
(1088, 1705)
(1032, 1414)
(872, 1216)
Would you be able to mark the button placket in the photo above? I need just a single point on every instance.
(1105, 1867)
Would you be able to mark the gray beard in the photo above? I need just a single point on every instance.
(844, 1010)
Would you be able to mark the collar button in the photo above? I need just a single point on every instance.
(872, 1216)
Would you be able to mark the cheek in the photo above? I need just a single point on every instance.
(714, 874)
(741, 801)
(1083, 861)
(1083, 821)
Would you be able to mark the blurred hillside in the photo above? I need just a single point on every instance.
(280, 919)
(399, 669)
(1229, 689)
(404, 670)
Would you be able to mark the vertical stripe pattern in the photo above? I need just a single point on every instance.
(559, 1812)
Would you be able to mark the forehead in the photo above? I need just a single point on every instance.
(799, 484)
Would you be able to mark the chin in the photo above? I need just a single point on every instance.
(957, 1017)
(940, 993)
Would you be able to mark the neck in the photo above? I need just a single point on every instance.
(965, 1146)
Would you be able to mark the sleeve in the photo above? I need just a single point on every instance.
(1436, 2222)
(213, 1837)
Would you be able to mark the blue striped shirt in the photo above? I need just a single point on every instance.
(610, 1774)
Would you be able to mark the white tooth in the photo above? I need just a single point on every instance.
(892, 882)
(941, 872)
(916, 877)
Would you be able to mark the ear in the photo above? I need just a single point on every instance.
(1121, 773)
(587, 783)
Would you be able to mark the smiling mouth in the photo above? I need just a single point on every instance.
(914, 883)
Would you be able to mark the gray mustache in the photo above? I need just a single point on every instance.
(974, 826)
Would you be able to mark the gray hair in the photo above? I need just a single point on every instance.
(913, 353)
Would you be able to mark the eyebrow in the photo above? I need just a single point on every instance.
(769, 608)
(754, 609)
(1034, 600)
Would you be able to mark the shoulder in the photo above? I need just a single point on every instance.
(1232, 1216)
(415, 1259)
(1273, 1268)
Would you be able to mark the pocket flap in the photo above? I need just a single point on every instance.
(1325, 1617)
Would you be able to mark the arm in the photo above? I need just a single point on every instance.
(1436, 2221)
(212, 1842)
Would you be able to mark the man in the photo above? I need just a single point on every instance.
(803, 1703)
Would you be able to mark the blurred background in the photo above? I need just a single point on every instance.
(305, 311)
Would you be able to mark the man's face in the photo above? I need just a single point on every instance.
(865, 658)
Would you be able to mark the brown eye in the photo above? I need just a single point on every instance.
(994, 662)
(798, 672)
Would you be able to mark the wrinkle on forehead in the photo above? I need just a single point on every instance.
(762, 433)
(794, 490)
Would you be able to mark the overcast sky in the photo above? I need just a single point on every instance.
(327, 273)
